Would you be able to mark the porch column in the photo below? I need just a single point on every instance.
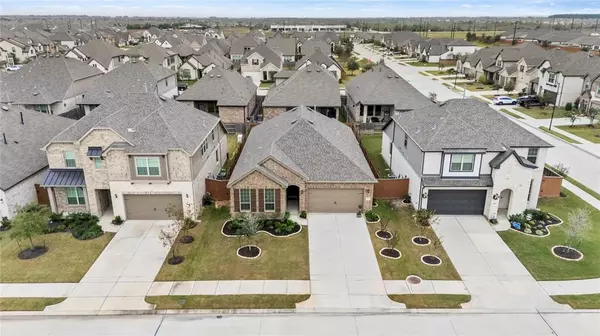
(52, 198)
(364, 111)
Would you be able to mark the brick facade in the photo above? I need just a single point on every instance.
(232, 114)
(272, 112)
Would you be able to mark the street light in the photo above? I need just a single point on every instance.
(554, 106)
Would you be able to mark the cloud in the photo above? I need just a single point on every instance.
(466, 5)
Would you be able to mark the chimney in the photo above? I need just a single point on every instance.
(22, 123)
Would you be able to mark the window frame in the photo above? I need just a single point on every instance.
(530, 155)
(147, 161)
(269, 202)
(98, 162)
(551, 77)
(66, 157)
(405, 140)
(42, 108)
(462, 163)
(78, 198)
(242, 202)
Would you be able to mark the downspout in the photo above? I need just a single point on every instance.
(392, 144)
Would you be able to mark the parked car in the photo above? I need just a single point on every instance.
(528, 101)
(13, 68)
(504, 100)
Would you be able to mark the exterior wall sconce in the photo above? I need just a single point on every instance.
(424, 195)
(495, 197)
(186, 196)
(116, 195)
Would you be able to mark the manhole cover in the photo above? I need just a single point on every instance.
(413, 279)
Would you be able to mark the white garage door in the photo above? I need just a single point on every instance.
(334, 200)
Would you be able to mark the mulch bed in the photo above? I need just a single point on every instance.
(536, 227)
(175, 260)
(229, 231)
(412, 279)
(249, 251)
(88, 238)
(431, 260)
(390, 253)
(421, 240)
(186, 239)
(32, 253)
(383, 234)
(567, 253)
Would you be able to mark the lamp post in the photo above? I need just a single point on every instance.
(554, 106)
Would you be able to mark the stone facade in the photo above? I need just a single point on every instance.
(179, 163)
(60, 195)
(292, 178)
(272, 112)
(257, 180)
(232, 114)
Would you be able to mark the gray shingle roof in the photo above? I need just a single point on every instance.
(211, 57)
(247, 41)
(227, 88)
(487, 56)
(101, 51)
(464, 124)
(183, 50)
(286, 46)
(22, 156)
(497, 161)
(311, 86)
(271, 56)
(382, 85)
(45, 81)
(318, 148)
(318, 57)
(151, 124)
(578, 67)
(151, 52)
(309, 47)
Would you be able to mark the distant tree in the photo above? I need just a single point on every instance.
(592, 114)
(482, 79)
(368, 66)
(339, 50)
(353, 65)
(573, 115)
(30, 222)
(545, 44)
(496, 38)
(509, 87)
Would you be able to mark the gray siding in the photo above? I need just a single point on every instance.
(163, 169)
(412, 152)
(198, 160)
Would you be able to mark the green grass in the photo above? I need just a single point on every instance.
(542, 113)
(535, 252)
(232, 147)
(421, 64)
(475, 86)
(67, 259)
(431, 301)
(584, 131)
(583, 187)
(235, 30)
(212, 256)
(226, 301)
(559, 135)
(584, 301)
(27, 304)
(423, 73)
(438, 73)
(372, 143)
(402, 224)
(514, 115)
(451, 87)
(265, 85)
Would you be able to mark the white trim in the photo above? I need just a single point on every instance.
(431, 255)
(391, 235)
(249, 202)
(135, 158)
(375, 222)
(238, 252)
(260, 231)
(567, 259)
(411, 239)
(265, 200)
(385, 248)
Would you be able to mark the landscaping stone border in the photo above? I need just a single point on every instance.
(391, 235)
(418, 279)
(563, 258)
(260, 231)
(378, 220)
(431, 255)
(241, 256)
(547, 228)
(395, 249)
(421, 237)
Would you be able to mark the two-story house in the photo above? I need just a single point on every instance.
(241, 46)
(286, 46)
(199, 65)
(563, 82)
(99, 54)
(152, 53)
(590, 97)
(462, 157)
(261, 63)
(327, 62)
(135, 155)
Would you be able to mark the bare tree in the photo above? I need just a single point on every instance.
(561, 169)
(249, 228)
(168, 237)
(573, 115)
(579, 224)
(592, 114)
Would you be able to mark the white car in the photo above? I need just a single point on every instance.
(13, 68)
(504, 100)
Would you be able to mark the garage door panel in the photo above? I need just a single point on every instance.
(151, 207)
(334, 200)
(457, 202)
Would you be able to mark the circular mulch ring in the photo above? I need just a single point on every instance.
(175, 260)
(390, 253)
(249, 252)
(413, 279)
(431, 260)
(385, 235)
(186, 239)
(32, 253)
(421, 241)
(375, 204)
(406, 201)
(566, 253)
(227, 231)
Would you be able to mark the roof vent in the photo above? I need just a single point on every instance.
(4, 108)
(397, 76)
(218, 76)
(131, 130)
(35, 93)
(162, 98)
(211, 75)
(293, 121)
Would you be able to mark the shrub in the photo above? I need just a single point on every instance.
(527, 230)
(286, 227)
(519, 218)
(5, 223)
(117, 220)
(568, 106)
(286, 216)
(83, 225)
(539, 232)
(56, 228)
(303, 214)
(371, 216)
(536, 215)
(423, 216)
(56, 217)
(207, 200)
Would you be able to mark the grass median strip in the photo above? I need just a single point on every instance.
(586, 132)
(583, 187)
(584, 301)
(431, 301)
(514, 115)
(227, 301)
(424, 73)
(27, 304)
(559, 135)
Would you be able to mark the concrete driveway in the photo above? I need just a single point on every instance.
(344, 272)
(490, 271)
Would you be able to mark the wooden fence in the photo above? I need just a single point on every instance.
(390, 188)
(551, 184)
(217, 189)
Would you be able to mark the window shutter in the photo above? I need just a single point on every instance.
(277, 200)
(236, 200)
(252, 200)
(261, 200)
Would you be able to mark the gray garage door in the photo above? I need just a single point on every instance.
(150, 206)
(456, 202)
(334, 200)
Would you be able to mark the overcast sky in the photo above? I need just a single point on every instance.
(300, 8)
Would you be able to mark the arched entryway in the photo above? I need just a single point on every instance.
(292, 199)
(504, 202)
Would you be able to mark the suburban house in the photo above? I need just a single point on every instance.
(311, 45)
(286, 46)
(63, 39)
(241, 46)
(282, 76)
(286, 165)
(462, 157)
(53, 85)
(133, 157)
(563, 82)
(152, 53)
(199, 65)
(184, 51)
(225, 94)
(375, 95)
(436, 50)
(168, 40)
(261, 63)
(151, 34)
(312, 86)
(398, 40)
(131, 77)
(22, 164)
(319, 58)
(590, 97)
(474, 64)
(16, 51)
(99, 54)
(195, 41)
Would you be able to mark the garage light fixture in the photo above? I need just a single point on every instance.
(424, 195)
(116, 195)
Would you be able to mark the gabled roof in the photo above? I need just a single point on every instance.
(100, 51)
(238, 46)
(218, 60)
(309, 47)
(155, 31)
(487, 56)
(22, 157)
(311, 86)
(183, 50)
(227, 88)
(147, 123)
(577, 65)
(464, 124)
(168, 36)
(150, 51)
(286, 46)
(271, 56)
(318, 57)
(497, 161)
(45, 81)
(61, 37)
(382, 85)
(211, 46)
(317, 148)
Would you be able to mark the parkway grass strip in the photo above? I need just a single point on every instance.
(227, 301)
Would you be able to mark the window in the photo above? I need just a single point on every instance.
(551, 77)
(522, 68)
(462, 162)
(530, 187)
(98, 163)
(244, 199)
(405, 140)
(532, 154)
(254, 61)
(212, 135)
(75, 196)
(203, 147)
(147, 166)
(41, 108)
(217, 155)
(70, 159)
(269, 199)
(186, 73)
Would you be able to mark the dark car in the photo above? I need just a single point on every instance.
(529, 101)
(182, 86)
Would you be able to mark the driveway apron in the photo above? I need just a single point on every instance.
(489, 269)
(344, 272)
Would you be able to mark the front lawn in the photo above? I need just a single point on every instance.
(585, 301)
(439, 73)
(421, 64)
(559, 135)
(372, 143)
(535, 253)
(232, 147)
(431, 301)
(67, 259)
(212, 256)
(476, 86)
(227, 301)
(27, 304)
(265, 85)
(584, 131)
(514, 115)
(512, 95)
(542, 113)
(410, 263)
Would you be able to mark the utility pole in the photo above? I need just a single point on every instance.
(514, 40)
(572, 21)
(420, 26)
(495, 28)
(474, 25)
(596, 28)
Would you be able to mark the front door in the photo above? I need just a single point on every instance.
(42, 195)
